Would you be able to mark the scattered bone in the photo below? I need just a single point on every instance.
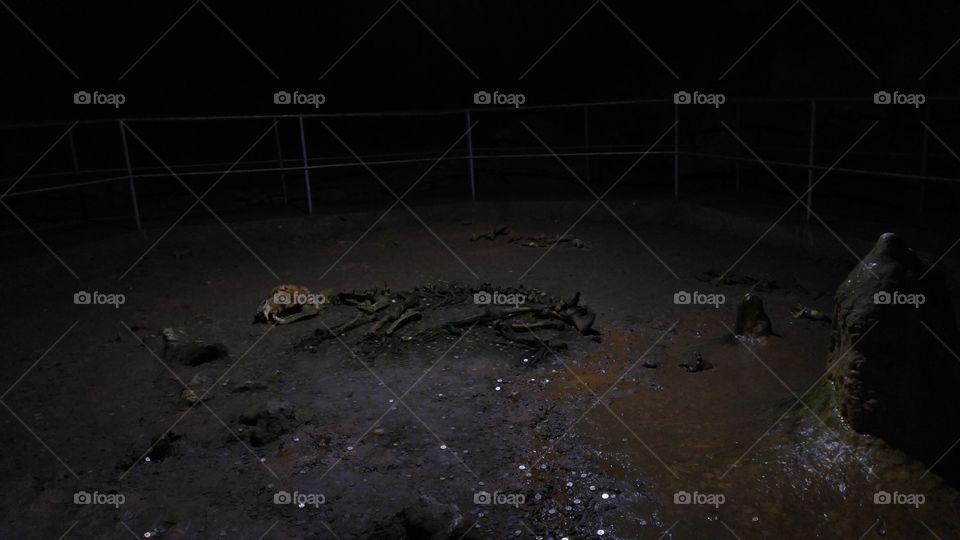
(813, 314)
(543, 240)
(494, 232)
(538, 325)
(715, 277)
(540, 240)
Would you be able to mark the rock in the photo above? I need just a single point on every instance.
(189, 396)
(177, 347)
(893, 378)
(268, 410)
(197, 387)
(162, 445)
(752, 320)
(248, 386)
(199, 379)
(583, 319)
(432, 519)
(697, 364)
(268, 421)
(427, 519)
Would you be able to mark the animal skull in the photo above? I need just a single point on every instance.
(289, 303)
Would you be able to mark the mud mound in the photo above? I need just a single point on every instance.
(892, 368)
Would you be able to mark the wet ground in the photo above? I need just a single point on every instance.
(610, 435)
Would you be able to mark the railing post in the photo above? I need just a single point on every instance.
(133, 187)
(73, 153)
(473, 177)
(76, 172)
(676, 152)
(283, 174)
(586, 139)
(813, 130)
(306, 168)
(736, 126)
(924, 156)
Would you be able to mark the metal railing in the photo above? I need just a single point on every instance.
(471, 154)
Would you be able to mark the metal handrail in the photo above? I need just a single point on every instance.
(307, 163)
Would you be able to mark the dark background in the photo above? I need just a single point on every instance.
(202, 67)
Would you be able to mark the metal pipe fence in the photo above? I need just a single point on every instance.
(471, 154)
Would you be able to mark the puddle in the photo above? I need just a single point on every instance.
(716, 452)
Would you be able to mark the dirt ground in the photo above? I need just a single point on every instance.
(604, 438)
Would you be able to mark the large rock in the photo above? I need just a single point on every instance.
(897, 380)
(752, 319)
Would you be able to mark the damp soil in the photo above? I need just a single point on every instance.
(600, 436)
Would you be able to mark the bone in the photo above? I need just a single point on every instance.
(360, 320)
(490, 315)
(538, 325)
(408, 316)
(381, 302)
(306, 311)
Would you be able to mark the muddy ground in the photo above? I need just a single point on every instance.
(604, 438)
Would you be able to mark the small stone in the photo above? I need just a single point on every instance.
(178, 347)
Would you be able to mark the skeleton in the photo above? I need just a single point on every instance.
(380, 314)
(289, 303)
